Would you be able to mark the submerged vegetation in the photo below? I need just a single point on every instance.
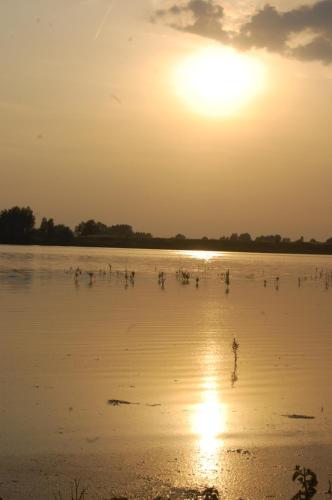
(18, 226)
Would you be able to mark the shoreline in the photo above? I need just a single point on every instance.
(295, 248)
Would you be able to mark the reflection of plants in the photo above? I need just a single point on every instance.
(227, 278)
(329, 491)
(210, 494)
(308, 481)
(234, 377)
(77, 493)
(235, 347)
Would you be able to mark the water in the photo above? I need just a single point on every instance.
(68, 347)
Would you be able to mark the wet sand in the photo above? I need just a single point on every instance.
(68, 347)
(164, 471)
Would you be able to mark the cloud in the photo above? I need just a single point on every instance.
(268, 28)
(201, 17)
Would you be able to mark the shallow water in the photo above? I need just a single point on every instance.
(67, 347)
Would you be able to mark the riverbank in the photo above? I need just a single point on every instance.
(205, 245)
(102, 241)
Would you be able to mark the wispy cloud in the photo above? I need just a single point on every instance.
(104, 20)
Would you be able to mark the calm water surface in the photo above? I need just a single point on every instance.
(67, 347)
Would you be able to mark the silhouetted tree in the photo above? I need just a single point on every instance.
(272, 238)
(91, 227)
(63, 234)
(16, 225)
(180, 236)
(245, 237)
(141, 235)
(121, 231)
(234, 237)
(329, 241)
(46, 229)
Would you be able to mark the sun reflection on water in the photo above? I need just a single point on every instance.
(209, 424)
(206, 255)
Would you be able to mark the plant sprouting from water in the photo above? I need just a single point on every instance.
(77, 492)
(308, 481)
(235, 347)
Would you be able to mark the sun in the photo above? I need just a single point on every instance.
(218, 81)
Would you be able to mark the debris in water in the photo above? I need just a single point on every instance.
(294, 415)
(92, 440)
(240, 451)
(118, 402)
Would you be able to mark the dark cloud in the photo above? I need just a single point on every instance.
(201, 17)
(268, 28)
(319, 49)
(273, 30)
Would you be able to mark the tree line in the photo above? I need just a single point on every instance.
(18, 225)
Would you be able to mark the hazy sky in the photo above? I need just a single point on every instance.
(93, 126)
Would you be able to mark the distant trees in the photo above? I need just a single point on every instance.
(272, 238)
(121, 231)
(91, 227)
(16, 225)
(234, 237)
(46, 228)
(143, 236)
(51, 233)
(63, 234)
(245, 237)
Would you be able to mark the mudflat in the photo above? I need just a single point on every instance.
(118, 367)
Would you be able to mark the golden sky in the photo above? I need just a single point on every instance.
(112, 109)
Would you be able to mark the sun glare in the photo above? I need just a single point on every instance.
(209, 423)
(218, 81)
(205, 255)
